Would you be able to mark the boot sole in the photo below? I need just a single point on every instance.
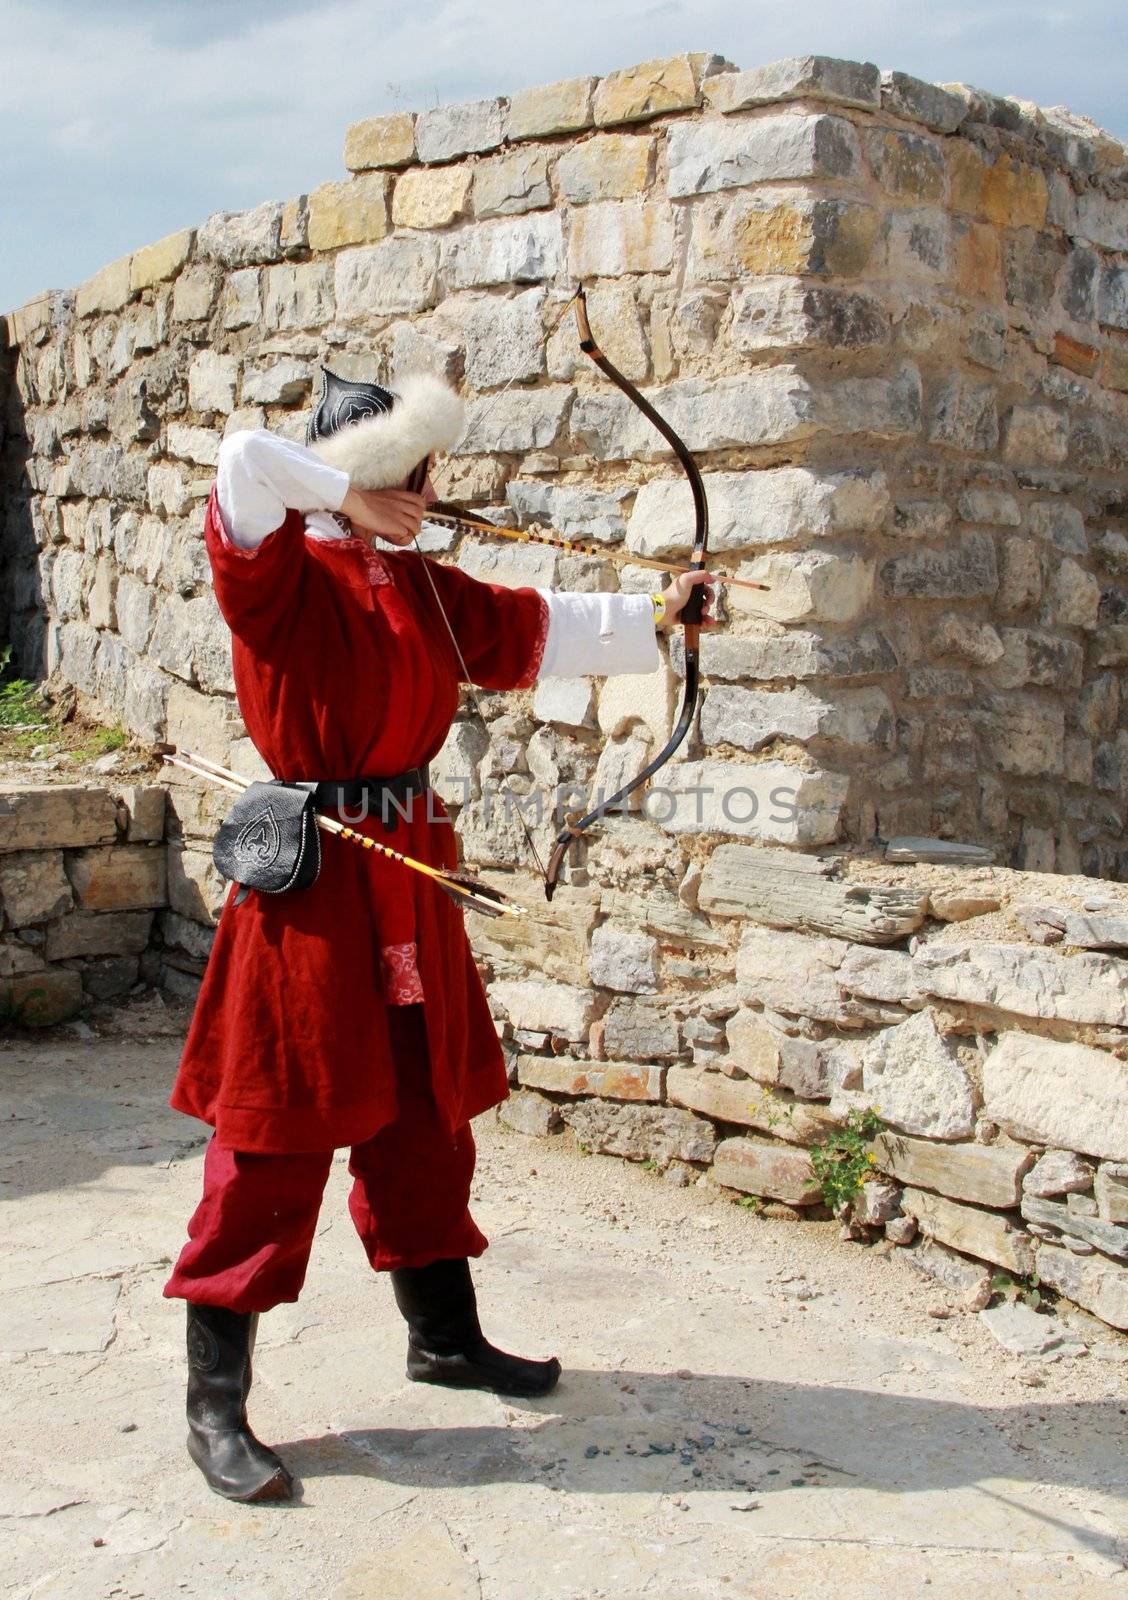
(466, 1380)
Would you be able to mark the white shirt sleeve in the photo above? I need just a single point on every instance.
(260, 476)
(598, 635)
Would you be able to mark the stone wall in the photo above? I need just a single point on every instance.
(82, 874)
(891, 320)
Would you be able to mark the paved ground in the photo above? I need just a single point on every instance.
(749, 1407)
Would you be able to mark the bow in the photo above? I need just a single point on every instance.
(575, 826)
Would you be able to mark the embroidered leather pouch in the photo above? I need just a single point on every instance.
(269, 839)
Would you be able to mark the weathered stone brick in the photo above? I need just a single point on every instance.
(767, 800)
(547, 1007)
(796, 233)
(705, 156)
(194, 293)
(212, 381)
(41, 999)
(395, 276)
(503, 338)
(515, 422)
(641, 1133)
(42, 817)
(965, 416)
(129, 877)
(155, 263)
(623, 959)
(907, 164)
(99, 933)
(353, 212)
(640, 1030)
(298, 295)
(652, 88)
(753, 718)
(918, 101)
(851, 83)
(779, 314)
(1112, 298)
(610, 1080)
(380, 142)
(918, 245)
(1036, 436)
(563, 107)
(767, 1170)
(610, 166)
(962, 571)
(527, 249)
(431, 198)
(107, 290)
(973, 1232)
(613, 237)
(512, 183)
(1005, 192)
(1041, 1090)
(243, 238)
(811, 585)
(448, 132)
(33, 887)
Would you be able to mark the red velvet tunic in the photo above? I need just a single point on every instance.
(344, 667)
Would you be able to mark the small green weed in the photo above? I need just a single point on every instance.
(19, 699)
(752, 1202)
(842, 1163)
(1027, 1289)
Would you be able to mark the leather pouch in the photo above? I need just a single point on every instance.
(269, 840)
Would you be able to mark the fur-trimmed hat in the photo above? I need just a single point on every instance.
(379, 435)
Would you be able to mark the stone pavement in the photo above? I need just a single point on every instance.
(750, 1407)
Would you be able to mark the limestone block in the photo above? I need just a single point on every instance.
(198, 722)
(429, 198)
(768, 800)
(748, 235)
(41, 999)
(508, 184)
(964, 570)
(907, 164)
(850, 83)
(155, 263)
(145, 812)
(134, 604)
(772, 406)
(198, 445)
(242, 300)
(984, 1234)
(966, 1279)
(705, 156)
(965, 416)
(33, 887)
(640, 1030)
(791, 973)
(128, 877)
(913, 1075)
(527, 249)
(1098, 1285)
(212, 380)
(653, 88)
(1068, 1096)
(412, 349)
(99, 933)
(785, 890)
(503, 338)
(516, 422)
(1026, 734)
(610, 166)
(798, 654)
(918, 101)
(531, 1114)
(780, 314)
(281, 383)
(1074, 596)
(623, 959)
(353, 212)
(107, 290)
(567, 702)
(448, 132)
(746, 1103)
(168, 493)
(575, 512)
(610, 1080)
(662, 912)
(987, 1175)
(819, 585)
(638, 701)
(396, 276)
(244, 238)
(1036, 436)
(918, 245)
(613, 237)
(776, 505)
(1111, 1191)
(145, 698)
(380, 142)
(1112, 298)
(297, 295)
(547, 1007)
(43, 817)
(1075, 1223)
(641, 1132)
(194, 293)
(562, 107)
(767, 1170)
(616, 319)
(196, 891)
(754, 1045)
(861, 719)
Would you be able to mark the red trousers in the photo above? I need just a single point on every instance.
(250, 1237)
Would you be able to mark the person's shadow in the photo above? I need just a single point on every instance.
(725, 1444)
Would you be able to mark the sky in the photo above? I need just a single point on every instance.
(124, 120)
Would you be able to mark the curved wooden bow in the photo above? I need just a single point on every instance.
(691, 614)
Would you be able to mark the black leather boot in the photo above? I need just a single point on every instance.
(220, 1442)
(445, 1343)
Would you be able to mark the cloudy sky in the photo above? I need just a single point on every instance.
(123, 120)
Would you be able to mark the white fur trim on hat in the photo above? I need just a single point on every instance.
(380, 451)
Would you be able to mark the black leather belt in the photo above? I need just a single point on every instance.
(353, 800)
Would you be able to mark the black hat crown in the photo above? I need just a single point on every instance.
(344, 401)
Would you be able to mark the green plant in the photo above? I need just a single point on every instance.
(842, 1163)
(19, 699)
(101, 742)
(1027, 1289)
(752, 1202)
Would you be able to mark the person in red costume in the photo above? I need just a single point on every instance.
(350, 1013)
